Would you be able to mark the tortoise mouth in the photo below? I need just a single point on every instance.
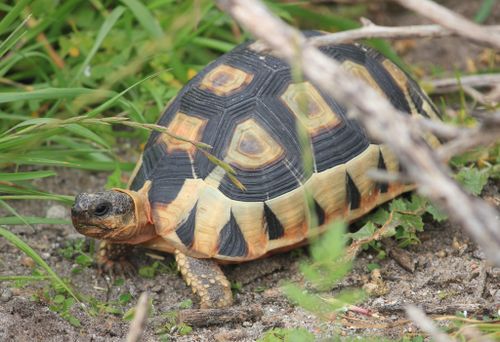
(91, 230)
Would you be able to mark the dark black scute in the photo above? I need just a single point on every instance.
(320, 213)
(273, 226)
(185, 232)
(231, 240)
(353, 197)
(382, 186)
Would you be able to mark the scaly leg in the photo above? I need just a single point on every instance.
(206, 280)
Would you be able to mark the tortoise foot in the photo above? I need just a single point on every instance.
(113, 259)
(206, 280)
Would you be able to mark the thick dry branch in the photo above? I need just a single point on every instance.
(370, 30)
(447, 85)
(206, 317)
(453, 21)
(379, 117)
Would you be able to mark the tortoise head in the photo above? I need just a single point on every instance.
(116, 215)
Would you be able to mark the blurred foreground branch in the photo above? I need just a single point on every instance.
(379, 117)
(371, 30)
(453, 21)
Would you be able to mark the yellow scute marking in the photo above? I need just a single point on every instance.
(307, 104)
(186, 127)
(225, 80)
(251, 147)
(360, 71)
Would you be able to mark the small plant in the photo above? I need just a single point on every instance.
(287, 335)
(171, 327)
(80, 252)
(150, 271)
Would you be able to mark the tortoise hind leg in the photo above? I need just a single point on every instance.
(206, 280)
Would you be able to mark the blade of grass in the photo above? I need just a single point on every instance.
(14, 220)
(12, 14)
(13, 38)
(19, 176)
(145, 18)
(49, 94)
(20, 244)
(103, 32)
(16, 214)
(484, 11)
(23, 278)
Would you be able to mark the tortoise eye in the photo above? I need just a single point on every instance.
(102, 209)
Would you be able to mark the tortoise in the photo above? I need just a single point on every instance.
(249, 108)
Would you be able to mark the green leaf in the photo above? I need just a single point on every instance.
(59, 299)
(84, 260)
(472, 179)
(124, 298)
(411, 222)
(287, 335)
(186, 304)
(398, 205)
(437, 214)
(364, 232)
(372, 266)
(103, 32)
(145, 18)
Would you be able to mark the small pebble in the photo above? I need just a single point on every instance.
(441, 254)
(6, 295)
(247, 324)
(57, 211)
(28, 262)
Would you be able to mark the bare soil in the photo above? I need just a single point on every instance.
(451, 274)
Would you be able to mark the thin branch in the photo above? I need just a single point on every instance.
(378, 116)
(138, 323)
(453, 21)
(447, 85)
(371, 30)
(425, 323)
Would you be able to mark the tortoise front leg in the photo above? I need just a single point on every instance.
(112, 258)
(206, 280)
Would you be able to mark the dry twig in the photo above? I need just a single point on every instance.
(426, 324)
(206, 317)
(138, 323)
(453, 21)
(379, 117)
(448, 85)
(371, 30)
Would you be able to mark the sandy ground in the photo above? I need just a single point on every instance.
(451, 274)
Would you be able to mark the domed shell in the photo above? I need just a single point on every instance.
(247, 106)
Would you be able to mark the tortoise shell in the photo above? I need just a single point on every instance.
(247, 106)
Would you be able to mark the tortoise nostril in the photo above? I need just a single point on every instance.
(102, 209)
